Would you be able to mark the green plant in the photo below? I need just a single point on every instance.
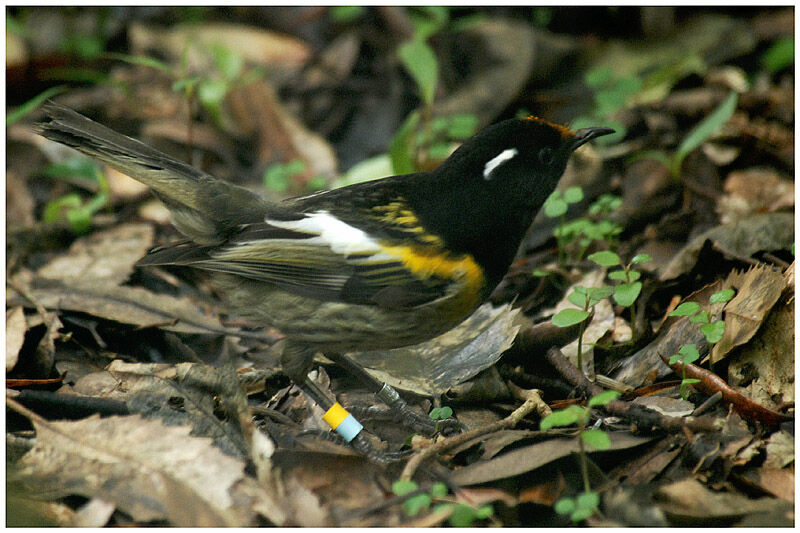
(711, 326)
(440, 413)
(71, 207)
(584, 504)
(278, 177)
(585, 298)
(461, 514)
(422, 137)
(686, 355)
(629, 288)
(697, 136)
(346, 14)
(779, 56)
(610, 95)
(578, 234)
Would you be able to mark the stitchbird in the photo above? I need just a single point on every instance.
(375, 265)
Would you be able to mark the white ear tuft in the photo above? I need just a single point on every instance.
(498, 160)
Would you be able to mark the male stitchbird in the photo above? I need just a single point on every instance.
(376, 265)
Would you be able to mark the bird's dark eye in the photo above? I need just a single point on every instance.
(546, 155)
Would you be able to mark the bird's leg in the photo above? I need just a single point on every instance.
(399, 409)
(296, 361)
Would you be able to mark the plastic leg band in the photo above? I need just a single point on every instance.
(342, 422)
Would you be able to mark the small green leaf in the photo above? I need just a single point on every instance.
(587, 500)
(596, 438)
(626, 293)
(461, 126)
(540, 273)
(555, 206)
(713, 331)
(722, 296)
(415, 504)
(685, 309)
(690, 381)
(675, 358)
(779, 56)
(573, 195)
(605, 258)
(462, 516)
(401, 487)
(439, 490)
(33, 103)
(344, 14)
(142, 61)
(562, 417)
(569, 317)
(603, 398)
(578, 298)
(699, 318)
(705, 129)
(440, 413)
(640, 258)
(564, 506)
(598, 77)
(421, 63)
(689, 353)
(227, 61)
(619, 275)
(401, 151)
(484, 511)
(596, 294)
(581, 514)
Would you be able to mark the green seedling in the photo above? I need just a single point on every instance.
(701, 133)
(461, 514)
(71, 207)
(580, 233)
(424, 138)
(279, 177)
(629, 288)
(686, 355)
(611, 94)
(585, 298)
(584, 504)
(712, 328)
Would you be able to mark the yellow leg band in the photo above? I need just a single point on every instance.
(335, 415)
(342, 422)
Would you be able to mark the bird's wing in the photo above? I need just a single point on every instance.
(323, 257)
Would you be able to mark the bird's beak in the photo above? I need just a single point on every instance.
(584, 135)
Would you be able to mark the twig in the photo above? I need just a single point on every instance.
(533, 402)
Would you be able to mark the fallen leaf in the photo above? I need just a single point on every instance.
(529, 458)
(434, 366)
(147, 469)
(106, 256)
(127, 305)
(689, 499)
(773, 231)
(757, 290)
(15, 335)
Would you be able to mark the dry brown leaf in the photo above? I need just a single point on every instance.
(755, 190)
(432, 367)
(106, 256)
(255, 45)
(148, 470)
(773, 231)
(15, 335)
(529, 458)
(127, 305)
(776, 481)
(689, 499)
(757, 290)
